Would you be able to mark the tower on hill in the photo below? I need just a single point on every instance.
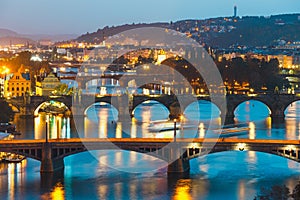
(235, 11)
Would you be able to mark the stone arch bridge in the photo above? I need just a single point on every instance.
(176, 104)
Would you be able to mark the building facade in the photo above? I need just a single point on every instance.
(49, 84)
(17, 84)
(2, 78)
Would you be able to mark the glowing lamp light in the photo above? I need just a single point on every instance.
(290, 147)
(241, 146)
(36, 58)
(194, 145)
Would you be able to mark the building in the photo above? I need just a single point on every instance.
(17, 84)
(38, 87)
(2, 78)
(49, 84)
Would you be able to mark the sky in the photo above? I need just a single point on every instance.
(81, 16)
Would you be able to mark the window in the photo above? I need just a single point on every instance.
(17, 77)
(7, 88)
(12, 89)
(17, 88)
(22, 88)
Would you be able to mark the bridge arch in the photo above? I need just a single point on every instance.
(104, 101)
(127, 160)
(100, 105)
(274, 153)
(292, 109)
(202, 109)
(250, 106)
(52, 106)
(151, 105)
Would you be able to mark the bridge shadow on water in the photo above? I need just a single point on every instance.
(49, 180)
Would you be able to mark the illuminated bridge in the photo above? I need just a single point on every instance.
(178, 153)
(176, 104)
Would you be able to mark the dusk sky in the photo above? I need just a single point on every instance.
(81, 16)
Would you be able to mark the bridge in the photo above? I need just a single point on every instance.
(176, 153)
(176, 104)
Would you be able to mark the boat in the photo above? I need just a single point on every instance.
(9, 157)
(167, 125)
(13, 158)
(7, 127)
(233, 130)
(6, 136)
(3, 135)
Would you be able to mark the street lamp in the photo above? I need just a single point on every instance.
(175, 130)
(47, 120)
(57, 126)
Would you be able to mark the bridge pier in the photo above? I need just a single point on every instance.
(122, 104)
(48, 164)
(277, 119)
(179, 166)
(175, 111)
(227, 119)
(49, 180)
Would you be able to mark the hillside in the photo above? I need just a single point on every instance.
(8, 37)
(10, 40)
(6, 33)
(105, 32)
(222, 32)
(260, 31)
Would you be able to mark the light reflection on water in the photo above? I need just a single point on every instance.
(226, 175)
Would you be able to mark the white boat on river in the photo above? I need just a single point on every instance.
(167, 125)
(6, 136)
(232, 130)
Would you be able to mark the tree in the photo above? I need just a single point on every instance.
(296, 192)
(7, 113)
(279, 192)
(63, 89)
(276, 192)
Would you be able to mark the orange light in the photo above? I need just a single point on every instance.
(182, 191)
(58, 192)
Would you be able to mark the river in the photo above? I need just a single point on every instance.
(130, 175)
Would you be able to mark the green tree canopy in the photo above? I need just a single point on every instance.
(7, 113)
(63, 89)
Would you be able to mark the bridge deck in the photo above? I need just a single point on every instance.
(152, 140)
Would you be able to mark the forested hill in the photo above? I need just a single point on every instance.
(105, 32)
(260, 31)
(223, 31)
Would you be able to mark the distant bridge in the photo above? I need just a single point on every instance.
(177, 154)
(176, 104)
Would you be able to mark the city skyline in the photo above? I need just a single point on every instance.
(31, 17)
